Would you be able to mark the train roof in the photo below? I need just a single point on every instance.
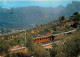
(42, 36)
(46, 36)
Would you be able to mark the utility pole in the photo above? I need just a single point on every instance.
(25, 40)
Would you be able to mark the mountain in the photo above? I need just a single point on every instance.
(35, 15)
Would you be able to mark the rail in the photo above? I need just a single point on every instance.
(20, 48)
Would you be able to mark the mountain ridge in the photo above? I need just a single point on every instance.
(37, 15)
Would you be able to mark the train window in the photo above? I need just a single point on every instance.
(50, 36)
(46, 37)
(35, 39)
(40, 38)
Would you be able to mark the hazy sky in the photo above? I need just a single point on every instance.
(41, 3)
(39, 0)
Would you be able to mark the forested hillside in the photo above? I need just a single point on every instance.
(67, 46)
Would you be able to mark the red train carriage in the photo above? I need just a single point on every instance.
(44, 39)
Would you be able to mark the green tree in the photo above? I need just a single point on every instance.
(38, 51)
(61, 18)
(29, 41)
(16, 55)
(4, 46)
(72, 45)
(53, 51)
(76, 19)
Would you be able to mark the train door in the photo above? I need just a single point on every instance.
(51, 38)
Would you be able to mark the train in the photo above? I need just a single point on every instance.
(43, 39)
